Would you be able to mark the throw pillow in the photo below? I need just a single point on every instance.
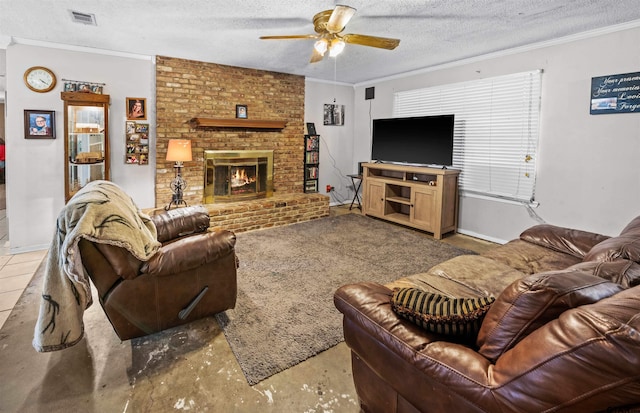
(533, 301)
(441, 314)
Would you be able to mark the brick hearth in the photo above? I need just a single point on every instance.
(270, 212)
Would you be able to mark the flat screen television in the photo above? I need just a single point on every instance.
(425, 140)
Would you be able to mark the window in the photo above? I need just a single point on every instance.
(495, 132)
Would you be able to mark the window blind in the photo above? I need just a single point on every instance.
(495, 131)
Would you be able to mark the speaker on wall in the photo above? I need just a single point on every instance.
(369, 93)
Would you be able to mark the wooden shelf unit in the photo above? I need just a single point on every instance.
(237, 123)
(311, 163)
(419, 197)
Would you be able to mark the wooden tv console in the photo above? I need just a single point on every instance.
(419, 197)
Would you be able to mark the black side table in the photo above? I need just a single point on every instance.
(356, 186)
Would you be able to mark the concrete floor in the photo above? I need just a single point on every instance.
(191, 370)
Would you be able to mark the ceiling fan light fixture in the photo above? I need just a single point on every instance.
(328, 26)
(337, 46)
(321, 46)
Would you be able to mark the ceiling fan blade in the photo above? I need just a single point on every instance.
(339, 18)
(293, 36)
(372, 41)
(316, 56)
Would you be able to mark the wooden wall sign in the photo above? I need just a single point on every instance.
(615, 94)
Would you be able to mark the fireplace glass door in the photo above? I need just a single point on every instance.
(237, 175)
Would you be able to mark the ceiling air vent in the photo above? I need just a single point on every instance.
(84, 18)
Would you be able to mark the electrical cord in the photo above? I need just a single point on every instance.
(533, 214)
(341, 176)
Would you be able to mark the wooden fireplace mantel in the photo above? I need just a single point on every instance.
(237, 123)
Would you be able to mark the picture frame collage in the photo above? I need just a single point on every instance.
(137, 143)
(83, 86)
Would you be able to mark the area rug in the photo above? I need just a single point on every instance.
(287, 276)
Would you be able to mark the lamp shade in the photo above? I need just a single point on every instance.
(337, 46)
(179, 150)
(321, 46)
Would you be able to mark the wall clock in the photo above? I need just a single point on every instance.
(39, 79)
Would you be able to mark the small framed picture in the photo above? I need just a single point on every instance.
(311, 128)
(333, 114)
(136, 108)
(39, 124)
(142, 127)
(131, 127)
(241, 111)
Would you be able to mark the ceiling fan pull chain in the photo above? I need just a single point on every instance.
(335, 77)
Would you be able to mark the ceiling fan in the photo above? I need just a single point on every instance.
(329, 25)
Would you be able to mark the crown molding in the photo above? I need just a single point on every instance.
(329, 82)
(84, 49)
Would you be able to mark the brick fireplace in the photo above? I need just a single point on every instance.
(187, 89)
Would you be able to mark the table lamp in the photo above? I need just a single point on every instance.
(179, 151)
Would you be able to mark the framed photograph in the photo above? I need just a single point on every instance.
(142, 127)
(39, 124)
(334, 114)
(131, 127)
(136, 108)
(70, 86)
(241, 111)
(311, 128)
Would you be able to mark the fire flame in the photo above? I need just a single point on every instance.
(240, 178)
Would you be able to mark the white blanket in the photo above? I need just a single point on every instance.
(100, 212)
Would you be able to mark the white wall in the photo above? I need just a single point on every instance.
(35, 174)
(336, 142)
(588, 174)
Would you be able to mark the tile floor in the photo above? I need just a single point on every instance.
(15, 271)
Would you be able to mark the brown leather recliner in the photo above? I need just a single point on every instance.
(193, 275)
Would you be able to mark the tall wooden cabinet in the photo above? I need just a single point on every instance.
(86, 140)
(419, 197)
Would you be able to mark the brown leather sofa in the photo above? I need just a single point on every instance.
(193, 275)
(562, 336)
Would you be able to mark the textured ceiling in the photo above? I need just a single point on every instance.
(431, 32)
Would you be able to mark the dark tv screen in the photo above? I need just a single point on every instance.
(425, 140)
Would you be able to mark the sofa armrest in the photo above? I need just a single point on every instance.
(190, 252)
(569, 241)
(180, 222)
(592, 348)
(401, 352)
